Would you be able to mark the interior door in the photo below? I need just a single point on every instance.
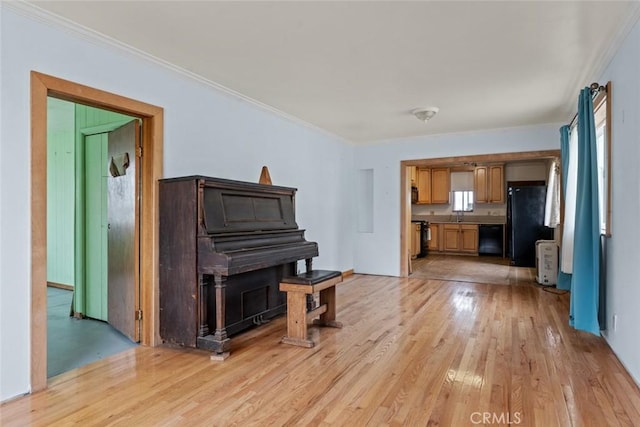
(123, 230)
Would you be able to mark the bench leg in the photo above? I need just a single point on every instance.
(328, 318)
(297, 320)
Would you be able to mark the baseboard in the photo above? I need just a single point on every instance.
(347, 273)
(60, 286)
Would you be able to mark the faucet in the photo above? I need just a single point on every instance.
(458, 216)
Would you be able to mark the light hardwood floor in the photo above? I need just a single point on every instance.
(412, 352)
(478, 269)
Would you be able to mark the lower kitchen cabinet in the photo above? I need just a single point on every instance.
(460, 238)
(434, 242)
(469, 238)
(451, 237)
(415, 240)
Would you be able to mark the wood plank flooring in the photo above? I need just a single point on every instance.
(477, 269)
(412, 352)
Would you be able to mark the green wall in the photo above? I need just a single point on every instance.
(96, 239)
(60, 191)
(76, 201)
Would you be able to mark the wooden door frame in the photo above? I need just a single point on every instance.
(405, 186)
(43, 86)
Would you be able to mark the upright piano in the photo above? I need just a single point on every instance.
(224, 246)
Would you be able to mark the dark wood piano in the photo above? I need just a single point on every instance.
(224, 246)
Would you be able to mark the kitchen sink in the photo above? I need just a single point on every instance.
(461, 219)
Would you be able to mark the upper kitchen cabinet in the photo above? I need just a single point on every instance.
(433, 185)
(440, 185)
(423, 177)
(414, 175)
(489, 184)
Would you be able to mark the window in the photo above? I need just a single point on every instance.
(462, 201)
(462, 190)
(602, 115)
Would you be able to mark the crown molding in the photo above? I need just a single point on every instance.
(593, 73)
(615, 42)
(34, 12)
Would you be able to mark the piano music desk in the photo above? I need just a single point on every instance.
(297, 289)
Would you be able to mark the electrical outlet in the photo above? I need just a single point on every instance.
(614, 322)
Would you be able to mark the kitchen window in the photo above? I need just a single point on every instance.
(462, 190)
(462, 201)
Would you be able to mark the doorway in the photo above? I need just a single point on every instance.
(84, 306)
(151, 116)
(405, 188)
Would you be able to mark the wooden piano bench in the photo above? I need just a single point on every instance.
(297, 289)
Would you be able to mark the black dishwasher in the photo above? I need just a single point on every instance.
(490, 239)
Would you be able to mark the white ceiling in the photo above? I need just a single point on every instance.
(357, 68)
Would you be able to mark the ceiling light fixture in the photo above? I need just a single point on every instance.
(426, 113)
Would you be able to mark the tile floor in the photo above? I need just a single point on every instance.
(71, 342)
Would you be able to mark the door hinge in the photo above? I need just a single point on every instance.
(139, 151)
(138, 314)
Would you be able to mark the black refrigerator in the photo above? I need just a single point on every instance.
(525, 223)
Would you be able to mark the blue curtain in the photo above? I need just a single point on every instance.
(564, 279)
(585, 280)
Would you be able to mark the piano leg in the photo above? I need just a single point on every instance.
(220, 339)
(218, 342)
(203, 329)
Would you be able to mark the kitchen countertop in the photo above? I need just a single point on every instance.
(466, 219)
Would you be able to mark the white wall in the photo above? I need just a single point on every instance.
(3, 319)
(379, 252)
(623, 259)
(206, 132)
(527, 171)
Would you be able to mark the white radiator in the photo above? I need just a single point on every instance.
(546, 262)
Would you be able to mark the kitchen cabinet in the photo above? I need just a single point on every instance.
(460, 238)
(415, 240)
(414, 175)
(451, 237)
(434, 243)
(489, 184)
(433, 185)
(424, 185)
(440, 185)
(480, 181)
(469, 238)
